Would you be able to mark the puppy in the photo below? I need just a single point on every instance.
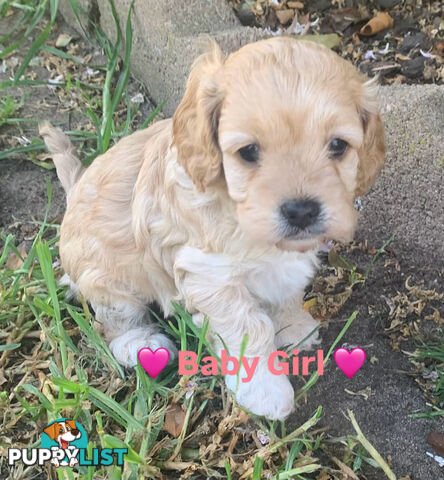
(223, 207)
(63, 433)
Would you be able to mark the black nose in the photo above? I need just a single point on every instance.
(75, 432)
(301, 213)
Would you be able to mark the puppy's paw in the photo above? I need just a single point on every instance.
(198, 319)
(268, 395)
(210, 266)
(126, 346)
(298, 329)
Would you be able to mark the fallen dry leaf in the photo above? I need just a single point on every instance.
(174, 420)
(323, 476)
(377, 24)
(285, 16)
(309, 304)
(365, 393)
(14, 262)
(327, 306)
(296, 5)
(346, 470)
(63, 40)
(2, 377)
(336, 261)
(436, 440)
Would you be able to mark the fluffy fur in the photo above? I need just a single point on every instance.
(173, 213)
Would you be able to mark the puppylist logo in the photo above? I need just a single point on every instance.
(64, 443)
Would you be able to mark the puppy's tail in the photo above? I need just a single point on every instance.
(68, 166)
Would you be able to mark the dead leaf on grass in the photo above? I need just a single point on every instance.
(2, 377)
(285, 16)
(349, 474)
(324, 476)
(63, 40)
(420, 293)
(296, 5)
(174, 420)
(328, 306)
(309, 304)
(336, 261)
(14, 261)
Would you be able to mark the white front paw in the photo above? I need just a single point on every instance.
(297, 330)
(209, 266)
(126, 347)
(199, 319)
(268, 395)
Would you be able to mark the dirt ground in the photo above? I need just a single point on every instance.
(407, 50)
(389, 381)
(22, 182)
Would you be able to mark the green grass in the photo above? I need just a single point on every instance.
(77, 357)
(78, 377)
(430, 356)
(9, 107)
(103, 110)
(434, 354)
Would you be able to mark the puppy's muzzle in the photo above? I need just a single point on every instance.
(301, 215)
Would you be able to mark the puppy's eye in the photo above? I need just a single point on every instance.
(337, 147)
(250, 153)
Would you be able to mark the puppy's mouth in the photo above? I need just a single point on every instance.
(294, 243)
(302, 239)
(310, 233)
(64, 443)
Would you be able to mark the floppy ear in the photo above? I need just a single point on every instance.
(196, 120)
(51, 430)
(372, 152)
(72, 424)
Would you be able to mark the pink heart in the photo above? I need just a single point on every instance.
(153, 362)
(349, 362)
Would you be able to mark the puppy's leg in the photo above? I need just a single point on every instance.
(209, 283)
(293, 324)
(127, 329)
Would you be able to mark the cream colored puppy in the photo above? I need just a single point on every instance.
(223, 207)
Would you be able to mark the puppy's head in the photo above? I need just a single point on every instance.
(63, 432)
(294, 132)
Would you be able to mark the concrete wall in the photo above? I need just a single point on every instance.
(168, 36)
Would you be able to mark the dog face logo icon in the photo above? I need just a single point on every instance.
(65, 437)
(63, 432)
(64, 443)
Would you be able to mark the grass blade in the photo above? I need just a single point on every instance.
(35, 47)
(314, 377)
(370, 448)
(152, 115)
(60, 53)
